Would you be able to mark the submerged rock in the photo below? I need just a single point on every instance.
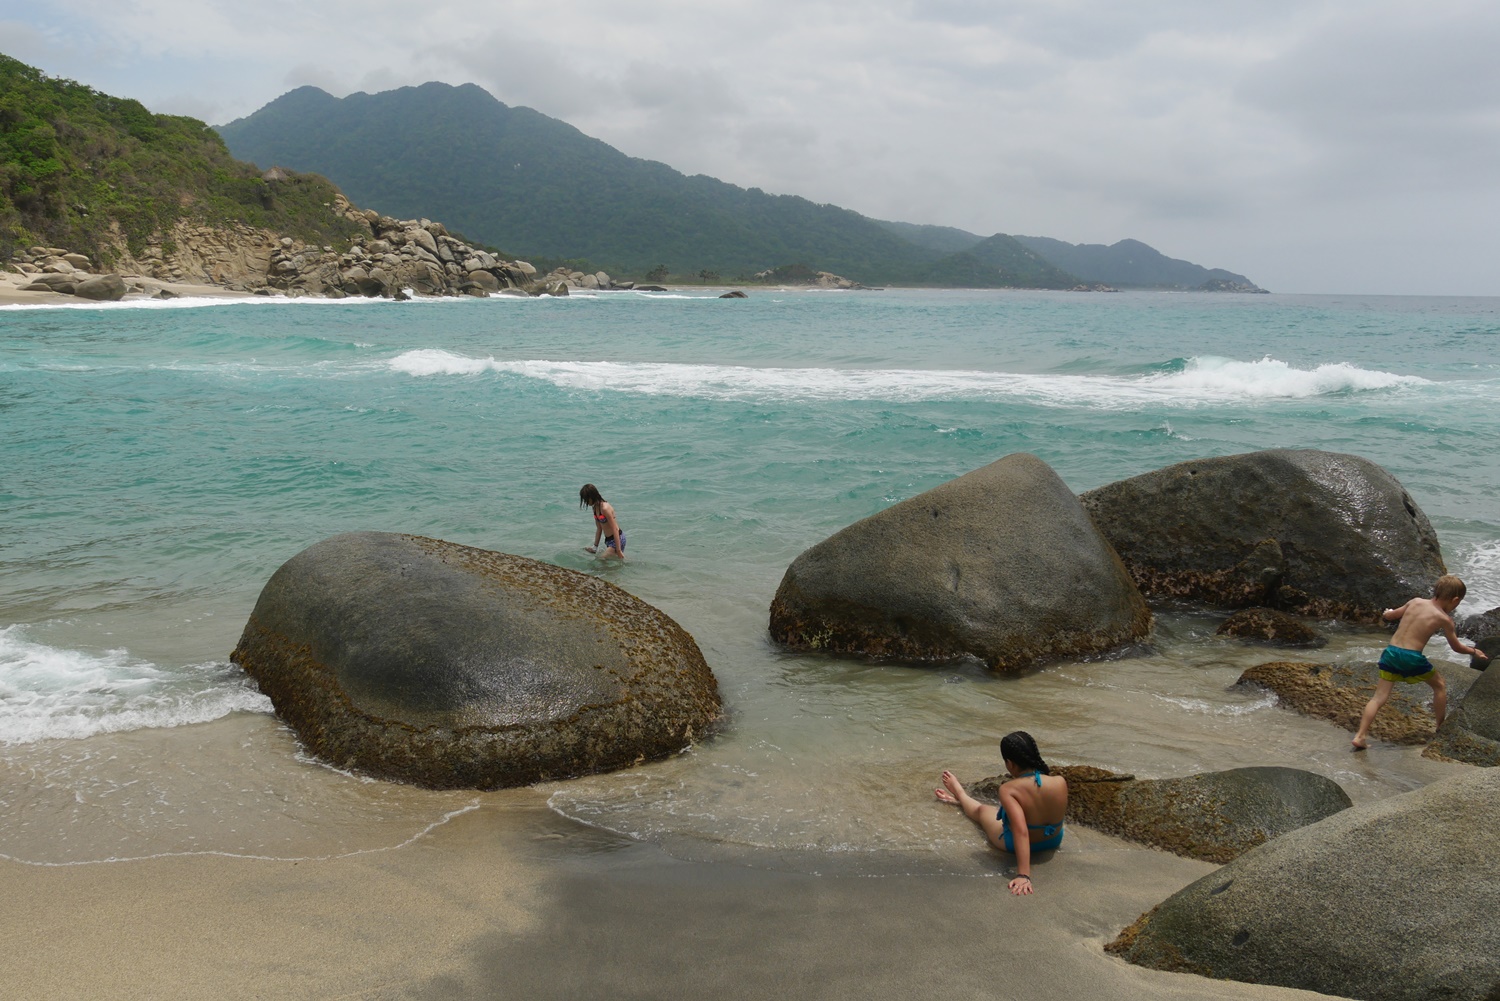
(1001, 564)
(1212, 816)
(1266, 625)
(432, 663)
(1388, 901)
(1313, 532)
(1471, 733)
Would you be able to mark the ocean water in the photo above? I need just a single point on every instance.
(160, 460)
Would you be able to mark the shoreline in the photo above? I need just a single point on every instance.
(515, 895)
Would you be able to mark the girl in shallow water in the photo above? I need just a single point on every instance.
(604, 524)
(1033, 801)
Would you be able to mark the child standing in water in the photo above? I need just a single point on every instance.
(1032, 802)
(604, 524)
(1404, 661)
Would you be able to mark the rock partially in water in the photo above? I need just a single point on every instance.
(1338, 693)
(1267, 625)
(1307, 531)
(1212, 816)
(1478, 625)
(1471, 733)
(450, 667)
(1001, 564)
(1388, 901)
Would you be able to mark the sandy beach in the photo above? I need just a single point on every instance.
(13, 293)
(511, 901)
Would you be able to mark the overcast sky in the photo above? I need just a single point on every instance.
(1313, 145)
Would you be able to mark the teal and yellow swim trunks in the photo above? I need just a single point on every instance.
(1405, 666)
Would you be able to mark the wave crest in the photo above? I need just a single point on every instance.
(1192, 382)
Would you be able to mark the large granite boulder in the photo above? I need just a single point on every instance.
(1317, 533)
(1339, 692)
(1471, 733)
(432, 663)
(1212, 816)
(1389, 901)
(1000, 564)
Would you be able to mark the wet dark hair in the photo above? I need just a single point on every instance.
(1021, 748)
(588, 496)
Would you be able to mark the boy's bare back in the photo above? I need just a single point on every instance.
(1420, 619)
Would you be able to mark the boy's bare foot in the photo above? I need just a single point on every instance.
(1360, 744)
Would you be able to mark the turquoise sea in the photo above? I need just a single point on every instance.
(160, 460)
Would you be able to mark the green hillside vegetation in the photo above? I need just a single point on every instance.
(89, 172)
(944, 239)
(517, 178)
(997, 260)
(1128, 264)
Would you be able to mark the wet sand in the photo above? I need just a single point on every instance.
(513, 901)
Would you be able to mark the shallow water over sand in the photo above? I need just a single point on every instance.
(162, 463)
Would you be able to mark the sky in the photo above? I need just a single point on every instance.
(1342, 146)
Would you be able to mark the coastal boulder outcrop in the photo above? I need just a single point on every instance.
(104, 288)
(445, 666)
(1388, 901)
(1471, 733)
(1212, 816)
(1338, 693)
(1302, 530)
(1001, 564)
(1267, 625)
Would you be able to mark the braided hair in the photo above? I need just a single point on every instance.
(1021, 748)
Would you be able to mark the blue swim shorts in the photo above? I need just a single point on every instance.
(1405, 666)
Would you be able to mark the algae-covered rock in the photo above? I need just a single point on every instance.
(1312, 532)
(1267, 625)
(1001, 564)
(1339, 692)
(1212, 816)
(1388, 901)
(445, 666)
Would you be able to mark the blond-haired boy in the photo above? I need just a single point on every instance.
(1403, 660)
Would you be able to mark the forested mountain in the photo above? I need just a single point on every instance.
(945, 239)
(97, 174)
(517, 178)
(1128, 264)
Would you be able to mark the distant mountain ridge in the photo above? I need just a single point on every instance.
(1129, 264)
(515, 178)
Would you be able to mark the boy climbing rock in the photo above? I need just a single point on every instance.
(1404, 661)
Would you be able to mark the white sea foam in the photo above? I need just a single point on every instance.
(51, 693)
(1200, 381)
(1481, 574)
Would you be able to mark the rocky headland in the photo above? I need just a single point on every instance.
(385, 257)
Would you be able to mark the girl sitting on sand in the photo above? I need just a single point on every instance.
(1032, 800)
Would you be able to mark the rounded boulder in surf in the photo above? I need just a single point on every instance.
(1001, 564)
(445, 666)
